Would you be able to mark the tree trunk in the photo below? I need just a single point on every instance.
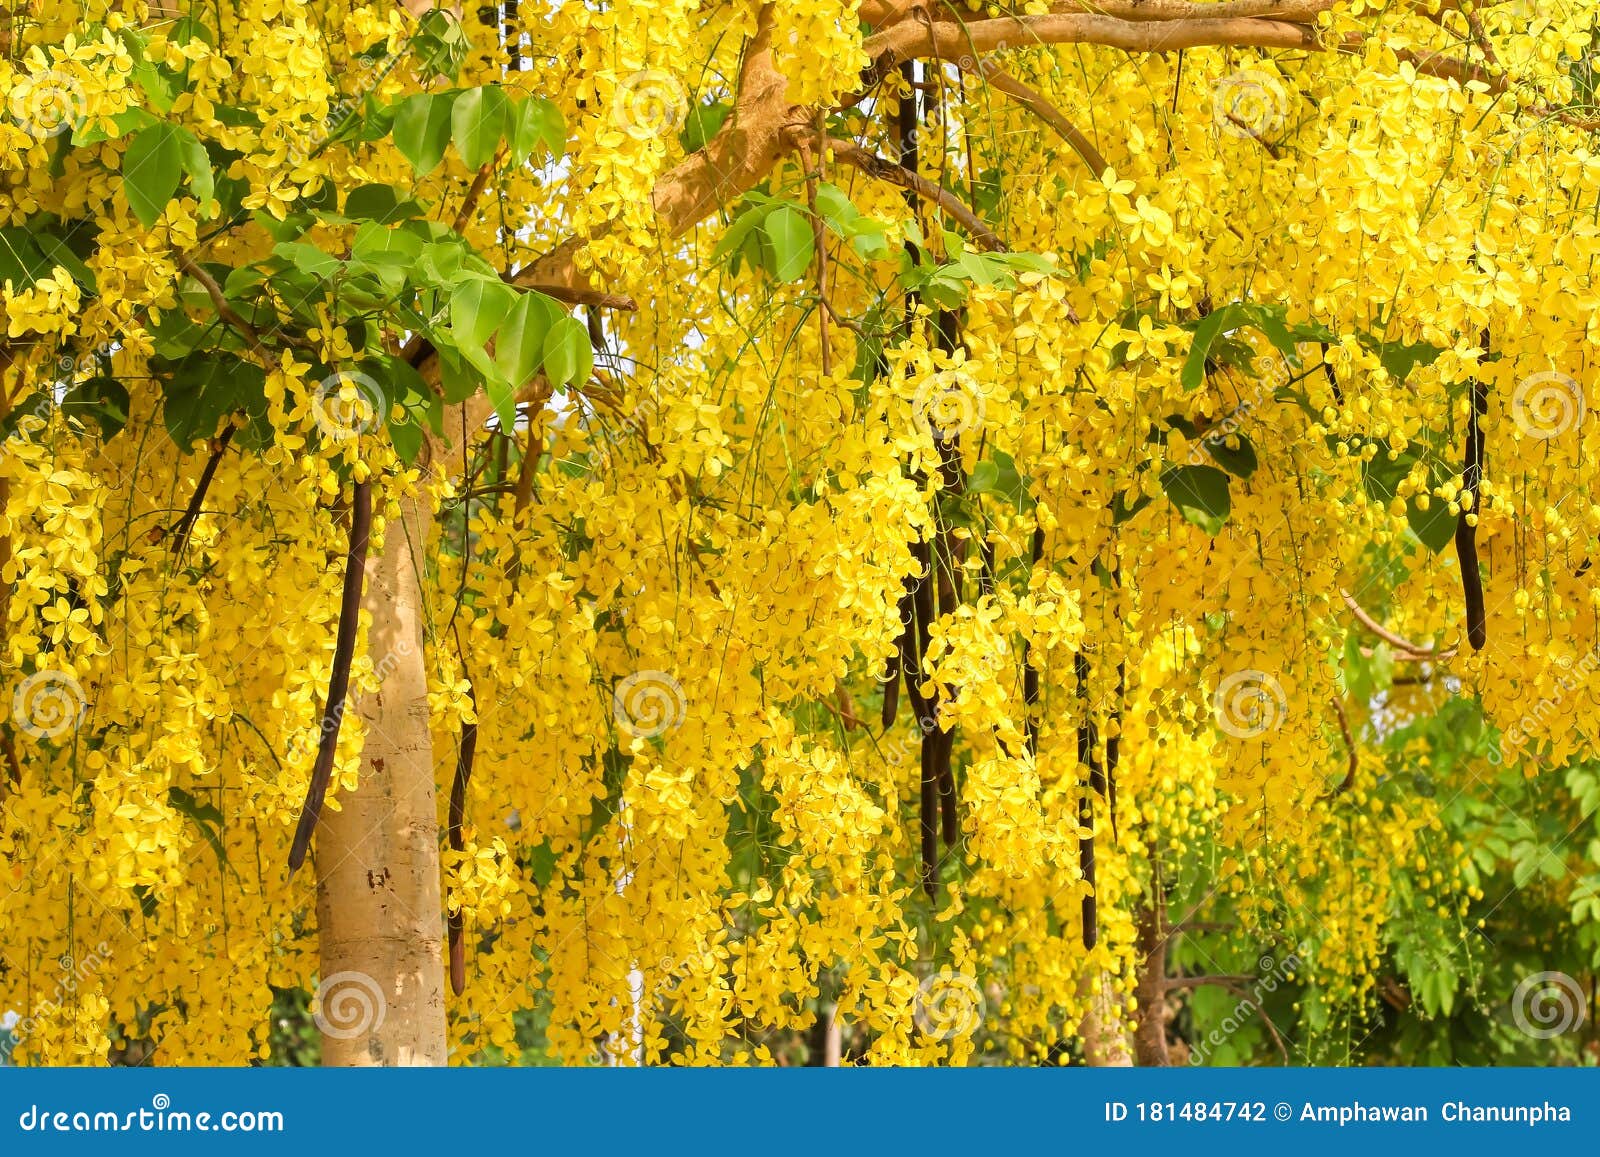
(1150, 1029)
(377, 857)
(1105, 1040)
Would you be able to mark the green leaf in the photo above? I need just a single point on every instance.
(205, 388)
(197, 163)
(308, 259)
(1435, 526)
(998, 474)
(480, 119)
(422, 129)
(519, 344)
(568, 359)
(1206, 331)
(383, 203)
(396, 377)
(1401, 358)
(91, 132)
(1200, 493)
(536, 121)
(1240, 461)
(1381, 477)
(20, 260)
(56, 252)
(151, 170)
(703, 123)
(406, 435)
(376, 241)
(836, 208)
(1269, 319)
(206, 817)
(791, 242)
(440, 44)
(160, 84)
(477, 307)
(743, 225)
(104, 399)
(1122, 510)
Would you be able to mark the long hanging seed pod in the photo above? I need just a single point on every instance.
(344, 648)
(1466, 532)
(1087, 741)
(947, 557)
(1113, 744)
(1030, 671)
(927, 723)
(465, 756)
(891, 671)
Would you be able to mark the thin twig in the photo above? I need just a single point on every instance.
(1400, 643)
(886, 170)
(184, 527)
(1350, 746)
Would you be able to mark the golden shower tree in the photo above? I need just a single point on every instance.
(732, 521)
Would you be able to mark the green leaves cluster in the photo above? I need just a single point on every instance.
(945, 284)
(157, 159)
(412, 275)
(476, 121)
(1211, 332)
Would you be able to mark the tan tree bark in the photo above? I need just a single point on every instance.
(1102, 1031)
(377, 857)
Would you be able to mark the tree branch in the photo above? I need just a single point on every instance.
(1035, 103)
(886, 170)
(964, 44)
(1398, 642)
